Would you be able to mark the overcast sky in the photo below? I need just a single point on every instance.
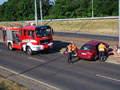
(2, 1)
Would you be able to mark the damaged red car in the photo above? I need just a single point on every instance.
(89, 50)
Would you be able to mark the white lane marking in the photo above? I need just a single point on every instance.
(0, 50)
(8, 70)
(36, 59)
(16, 73)
(108, 78)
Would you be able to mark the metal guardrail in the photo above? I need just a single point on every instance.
(89, 18)
(69, 19)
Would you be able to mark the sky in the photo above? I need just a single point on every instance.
(2, 1)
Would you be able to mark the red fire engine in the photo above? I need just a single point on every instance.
(28, 38)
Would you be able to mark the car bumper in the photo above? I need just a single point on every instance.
(86, 57)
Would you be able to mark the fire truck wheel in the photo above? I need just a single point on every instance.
(46, 51)
(10, 46)
(29, 51)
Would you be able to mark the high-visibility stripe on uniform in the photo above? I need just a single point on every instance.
(73, 47)
(69, 48)
(101, 47)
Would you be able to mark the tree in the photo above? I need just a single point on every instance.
(70, 8)
(17, 10)
(14, 10)
(105, 7)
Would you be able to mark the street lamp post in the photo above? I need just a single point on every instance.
(36, 19)
(41, 13)
(119, 28)
(92, 10)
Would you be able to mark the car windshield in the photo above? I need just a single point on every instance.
(87, 47)
(43, 31)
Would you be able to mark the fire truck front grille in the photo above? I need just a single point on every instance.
(45, 41)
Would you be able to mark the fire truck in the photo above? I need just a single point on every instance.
(28, 38)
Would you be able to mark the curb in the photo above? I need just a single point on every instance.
(113, 62)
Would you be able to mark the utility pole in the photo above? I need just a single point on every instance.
(119, 28)
(36, 19)
(41, 12)
(92, 10)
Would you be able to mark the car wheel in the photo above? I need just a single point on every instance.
(29, 51)
(10, 47)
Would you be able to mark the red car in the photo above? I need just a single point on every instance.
(90, 51)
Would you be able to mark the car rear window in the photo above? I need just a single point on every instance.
(87, 47)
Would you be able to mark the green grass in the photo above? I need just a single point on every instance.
(6, 84)
(106, 26)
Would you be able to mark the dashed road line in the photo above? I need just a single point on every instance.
(16, 73)
(117, 80)
(36, 59)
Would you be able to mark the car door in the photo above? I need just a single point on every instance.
(96, 52)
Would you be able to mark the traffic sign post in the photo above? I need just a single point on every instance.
(119, 28)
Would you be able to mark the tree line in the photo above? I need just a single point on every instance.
(18, 10)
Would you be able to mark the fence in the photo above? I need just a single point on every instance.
(69, 19)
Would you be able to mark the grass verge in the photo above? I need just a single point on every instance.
(107, 26)
(6, 84)
(101, 26)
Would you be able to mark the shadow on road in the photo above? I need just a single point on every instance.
(76, 60)
(57, 47)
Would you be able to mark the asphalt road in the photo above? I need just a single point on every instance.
(91, 36)
(52, 68)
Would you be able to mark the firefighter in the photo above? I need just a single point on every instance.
(73, 46)
(69, 49)
(101, 49)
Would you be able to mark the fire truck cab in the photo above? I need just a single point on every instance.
(28, 38)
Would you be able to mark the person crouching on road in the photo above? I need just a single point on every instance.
(101, 49)
(69, 49)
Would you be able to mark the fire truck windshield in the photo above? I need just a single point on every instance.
(42, 32)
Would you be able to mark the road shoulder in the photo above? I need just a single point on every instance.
(23, 80)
